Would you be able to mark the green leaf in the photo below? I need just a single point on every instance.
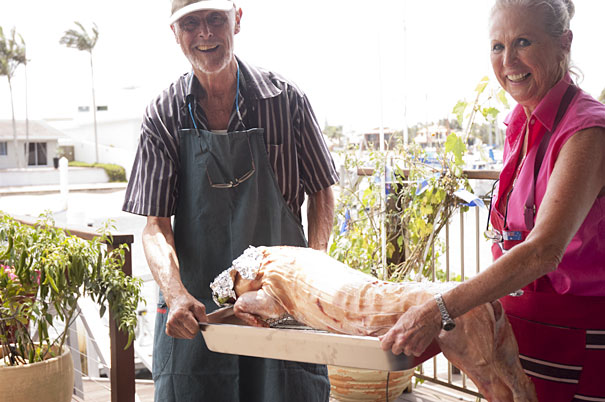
(22, 260)
(440, 196)
(455, 146)
(502, 98)
(426, 209)
(482, 85)
(490, 113)
(459, 111)
(52, 283)
(390, 249)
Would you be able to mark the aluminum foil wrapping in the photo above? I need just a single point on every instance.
(247, 265)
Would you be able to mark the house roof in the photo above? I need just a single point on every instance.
(38, 130)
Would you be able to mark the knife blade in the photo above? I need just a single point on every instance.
(217, 316)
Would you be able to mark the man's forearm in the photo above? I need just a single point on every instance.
(320, 216)
(158, 243)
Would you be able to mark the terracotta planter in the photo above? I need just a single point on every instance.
(50, 380)
(352, 384)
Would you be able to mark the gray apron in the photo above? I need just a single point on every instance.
(228, 199)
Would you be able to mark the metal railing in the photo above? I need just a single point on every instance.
(121, 368)
(461, 383)
(451, 377)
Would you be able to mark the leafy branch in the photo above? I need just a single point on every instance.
(421, 200)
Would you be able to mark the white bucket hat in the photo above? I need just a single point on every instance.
(180, 8)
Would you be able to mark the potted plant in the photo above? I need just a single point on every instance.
(44, 272)
(420, 197)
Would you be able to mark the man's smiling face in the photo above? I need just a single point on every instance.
(206, 38)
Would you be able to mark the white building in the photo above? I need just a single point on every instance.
(117, 137)
(431, 136)
(42, 141)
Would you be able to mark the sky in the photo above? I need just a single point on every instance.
(400, 62)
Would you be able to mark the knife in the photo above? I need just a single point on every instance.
(218, 316)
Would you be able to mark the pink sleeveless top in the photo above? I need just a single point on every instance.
(582, 269)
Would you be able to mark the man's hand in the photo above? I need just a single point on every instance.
(184, 316)
(250, 307)
(414, 331)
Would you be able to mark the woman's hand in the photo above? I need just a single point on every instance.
(414, 331)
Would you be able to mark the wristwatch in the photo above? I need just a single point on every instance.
(447, 323)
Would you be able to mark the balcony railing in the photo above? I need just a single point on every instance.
(469, 265)
(471, 248)
(122, 366)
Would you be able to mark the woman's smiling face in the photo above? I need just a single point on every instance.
(525, 58)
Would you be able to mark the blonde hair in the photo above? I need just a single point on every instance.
(557, 16)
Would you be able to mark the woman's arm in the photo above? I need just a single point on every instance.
(577, 180)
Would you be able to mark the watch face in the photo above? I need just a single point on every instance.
(448, 326)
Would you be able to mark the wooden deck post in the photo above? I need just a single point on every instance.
(122, 360)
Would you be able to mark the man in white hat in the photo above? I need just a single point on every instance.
(229, 150)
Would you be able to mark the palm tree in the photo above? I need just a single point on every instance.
(12, 54)
(81, 40)
(26, 105)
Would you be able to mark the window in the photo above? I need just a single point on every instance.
(102, 108)
(37, 154)
(3, 148)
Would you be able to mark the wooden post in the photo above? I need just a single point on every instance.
(122, 360)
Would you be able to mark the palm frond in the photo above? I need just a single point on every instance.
(80, 39)
(12, 52)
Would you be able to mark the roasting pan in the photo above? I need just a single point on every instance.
(225, 333)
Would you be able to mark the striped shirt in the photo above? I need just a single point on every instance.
(295, 145)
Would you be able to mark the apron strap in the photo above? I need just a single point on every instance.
(252, 119)
(529, 210)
